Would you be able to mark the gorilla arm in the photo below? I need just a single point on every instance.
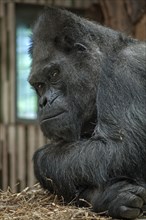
(94, 171)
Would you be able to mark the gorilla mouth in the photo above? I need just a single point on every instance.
(51, 117)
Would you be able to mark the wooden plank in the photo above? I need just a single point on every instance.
(1, 155)
(38, 2)
(86, 3)
(18, 1)
(5, 101)
(31, 139)
(116, 15)
(140, 29)
(21, 152)
(1, 8)
(4, 157)
(58, 3)
(11, 30)
(13, 159)
(50, 2)
(41, 139)
(135, 9)
(33, 1)
(30, 2)
(67, 3)
(4, 86)
(78, 4)
(42, 2)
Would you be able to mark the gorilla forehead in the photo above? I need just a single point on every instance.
(55, 24)
(51, 23)
(43, 52)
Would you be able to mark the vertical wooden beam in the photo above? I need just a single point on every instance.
(116, 15)
(1, 9)
(42, 2)
(30, 151)
(140, 29)
(5, 85)
(78, 4)
(13, 158)
(41, 139)
(11, 31)
(30, 2)
(21, 155)
(50, 2)
(58, 3)
(67, 3)
(1, 156)
(3, 131)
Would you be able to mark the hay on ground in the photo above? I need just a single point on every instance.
(35, 204)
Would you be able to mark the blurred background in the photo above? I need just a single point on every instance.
(19, 132)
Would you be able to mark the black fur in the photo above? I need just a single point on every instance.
(91, 83)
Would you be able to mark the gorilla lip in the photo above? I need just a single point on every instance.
(51, 117)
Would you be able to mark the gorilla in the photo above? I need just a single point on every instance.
(91, 87)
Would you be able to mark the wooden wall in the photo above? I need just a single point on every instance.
(17, 145)
(19, 140)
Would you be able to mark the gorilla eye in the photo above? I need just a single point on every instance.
(54, 76)
(39, 87)
(55, 73)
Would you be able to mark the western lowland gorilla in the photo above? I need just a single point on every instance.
(91, 87)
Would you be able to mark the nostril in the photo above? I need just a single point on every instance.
(43, 101)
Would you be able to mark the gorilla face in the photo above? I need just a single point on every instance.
(65, 81)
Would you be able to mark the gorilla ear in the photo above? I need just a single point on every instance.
(80, 47)
(63, 28)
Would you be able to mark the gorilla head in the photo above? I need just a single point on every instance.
(64, 75)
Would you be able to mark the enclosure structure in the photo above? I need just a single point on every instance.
(19, 133)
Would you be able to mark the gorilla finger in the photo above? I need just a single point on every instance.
(141, 192)
(125, 212)
(132, 200)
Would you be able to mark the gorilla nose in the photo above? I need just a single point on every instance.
(43, 101)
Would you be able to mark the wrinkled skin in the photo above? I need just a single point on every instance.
(91, 86)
